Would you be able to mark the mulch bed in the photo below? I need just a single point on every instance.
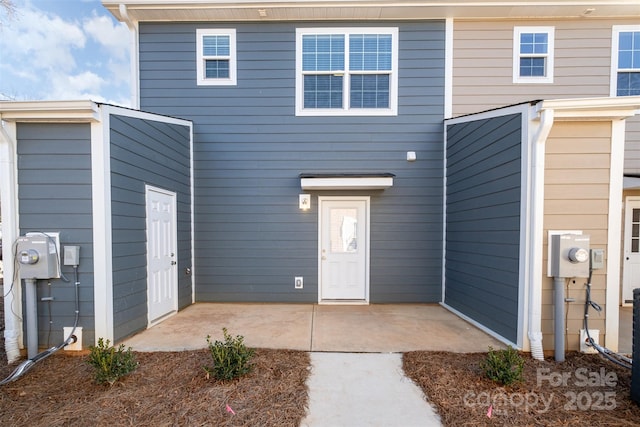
(584, 390)
(168, 388)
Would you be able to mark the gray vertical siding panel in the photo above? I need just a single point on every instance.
(249, 148)
(54, 192)
(154, 153)
(483, 221)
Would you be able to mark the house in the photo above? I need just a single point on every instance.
(321, 171)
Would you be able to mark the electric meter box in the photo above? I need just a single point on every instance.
(37, 256)
(570, 255)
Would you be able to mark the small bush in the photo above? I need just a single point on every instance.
(503, 366)
(110, 363)
(231, 358)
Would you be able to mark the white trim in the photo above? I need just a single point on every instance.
(346, 110)
(50, 111)
(367, 200)
(448, 67)
(142, 115)
(527, 156)
(612, 296)
(615, 40)
(13, 337)
(325, 10)
(549, 56)
(443, 278)
(200, 58)
(498, 112)
(102, 243)
(346, 183)
(480, 326)
(192, 218)
(134, 55)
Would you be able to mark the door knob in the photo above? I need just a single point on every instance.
(173, 262)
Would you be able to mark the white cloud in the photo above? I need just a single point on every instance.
(47, 56)
(78, 86)
(41, 41)
(113, 36)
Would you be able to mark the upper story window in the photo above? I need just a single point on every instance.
(625, 61)
(216, 56)
(346, 71)
(533, 54)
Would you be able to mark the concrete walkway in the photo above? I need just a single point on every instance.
(376, 328)
(362, 390)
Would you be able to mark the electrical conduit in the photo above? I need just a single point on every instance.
(29, 363)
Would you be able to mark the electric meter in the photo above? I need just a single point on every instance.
(37, 255)
(578, 255)
(569, 255)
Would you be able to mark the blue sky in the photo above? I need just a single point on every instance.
(64, 50)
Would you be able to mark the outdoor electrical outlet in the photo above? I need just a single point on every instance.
(299, 282)
(584, 346)
(76, 346)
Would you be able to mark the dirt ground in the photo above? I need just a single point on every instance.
(171, 389)
(167, 389)
(584, 390)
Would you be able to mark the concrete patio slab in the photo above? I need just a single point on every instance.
(322, 328)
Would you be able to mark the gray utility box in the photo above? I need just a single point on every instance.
(570, 255)
(37, 257)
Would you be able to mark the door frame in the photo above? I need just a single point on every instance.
(626, 244)
(174, 244)
(367, 200)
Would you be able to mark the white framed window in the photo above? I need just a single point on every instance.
(216, 57)
(346, 71)
(533, 54)
(625, 60)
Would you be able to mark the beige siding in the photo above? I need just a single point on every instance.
(573, 204)
(483, 68)
(632, 147)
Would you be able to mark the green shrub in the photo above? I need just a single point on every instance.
(503, 366)
(110, 363)
(231, 358)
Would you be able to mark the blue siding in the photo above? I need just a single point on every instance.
(483, 221)
(154, 153)
(249, 149)
(54, 191)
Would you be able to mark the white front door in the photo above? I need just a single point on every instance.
(162, 281)
(344, 252)
(631, 260)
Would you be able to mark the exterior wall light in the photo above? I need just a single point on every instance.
(305, 202)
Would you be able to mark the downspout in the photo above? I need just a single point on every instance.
(10, 232)
(537, 217)
(134, 56)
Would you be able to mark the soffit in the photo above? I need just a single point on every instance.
(318, 10)
(346, 181)
(49, 111)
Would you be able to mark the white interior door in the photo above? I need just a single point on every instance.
(344, 253)
(162, 282)
(631, 261)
